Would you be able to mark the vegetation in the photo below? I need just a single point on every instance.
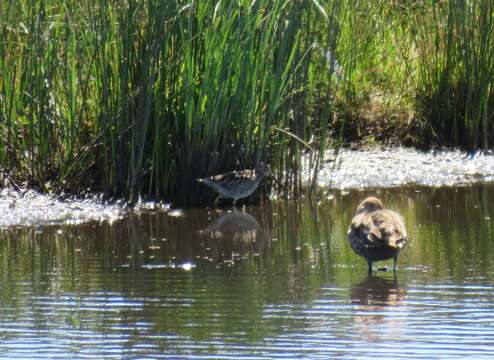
(455, 85)
(141, 97)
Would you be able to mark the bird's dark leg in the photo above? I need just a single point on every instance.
(234, 202)
(395, 259)
(369, 269)
(216, 200)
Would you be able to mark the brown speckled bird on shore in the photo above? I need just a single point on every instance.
(377, 233)
(237, 184)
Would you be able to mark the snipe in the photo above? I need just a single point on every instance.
(377, 233)
(237, 184)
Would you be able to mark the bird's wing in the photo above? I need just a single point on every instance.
(233, 176)
(364, 226)
(391, 226)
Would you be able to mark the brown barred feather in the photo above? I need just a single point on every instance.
(377, 233)
(237, 184)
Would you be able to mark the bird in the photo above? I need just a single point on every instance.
(237, 184)
(377, 233)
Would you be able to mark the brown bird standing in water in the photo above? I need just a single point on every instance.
(237, 184)
(377, 233)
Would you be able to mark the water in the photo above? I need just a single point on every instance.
(278, 281)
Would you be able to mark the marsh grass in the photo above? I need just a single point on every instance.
(455, 92)
(141, 97)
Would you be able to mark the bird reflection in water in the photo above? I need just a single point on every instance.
(234, 235)
(376, 299)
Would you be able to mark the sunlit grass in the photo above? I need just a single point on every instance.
(142, 97)
(455, 92)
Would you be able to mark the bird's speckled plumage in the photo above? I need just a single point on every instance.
(237, 184)
(377, 233)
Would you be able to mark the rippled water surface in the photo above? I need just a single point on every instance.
(275, 281)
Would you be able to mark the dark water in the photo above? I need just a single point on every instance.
(278, 281)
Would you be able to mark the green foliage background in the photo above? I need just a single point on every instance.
(141, 97)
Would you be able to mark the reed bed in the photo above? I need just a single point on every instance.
(141, 97)
(454, 41)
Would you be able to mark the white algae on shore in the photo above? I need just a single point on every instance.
(31, 208)
(393, 167)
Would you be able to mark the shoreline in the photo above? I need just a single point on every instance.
(387, 167)
(369, 168)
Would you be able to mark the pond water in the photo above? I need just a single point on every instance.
(274, 281)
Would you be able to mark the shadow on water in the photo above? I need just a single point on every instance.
(372, 297)
(273, 281)
(240, 230)
(378, 292)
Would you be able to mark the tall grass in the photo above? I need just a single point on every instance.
(143, 96)
(455, 93)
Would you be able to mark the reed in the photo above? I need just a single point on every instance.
(455, 50)
(140, 97)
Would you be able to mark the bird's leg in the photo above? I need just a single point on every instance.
(369, 269)
(395, 259)
(234, 202)
(216, 200)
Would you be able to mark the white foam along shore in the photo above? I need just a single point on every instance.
(31, 208)
(393, 167)
(23, 207)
